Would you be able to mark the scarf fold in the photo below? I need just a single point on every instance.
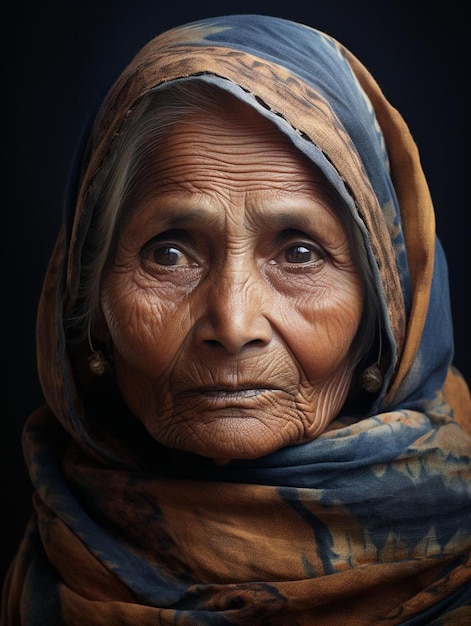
(368, 524)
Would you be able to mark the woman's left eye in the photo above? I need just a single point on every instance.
(300, 253)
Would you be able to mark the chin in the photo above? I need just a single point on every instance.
(252, 448)
(227, 438)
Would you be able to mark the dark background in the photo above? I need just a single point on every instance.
(62, 56)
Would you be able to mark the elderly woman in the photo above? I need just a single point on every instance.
(245, 349)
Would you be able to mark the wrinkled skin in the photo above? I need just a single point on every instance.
(233, 300)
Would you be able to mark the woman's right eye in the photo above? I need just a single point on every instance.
(169, 256)
(171, 248)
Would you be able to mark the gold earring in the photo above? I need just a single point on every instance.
(97, 361)
(371, 379)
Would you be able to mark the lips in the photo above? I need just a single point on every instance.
(233, 393)
(246, 395)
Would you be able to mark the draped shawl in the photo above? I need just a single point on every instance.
(367, 524)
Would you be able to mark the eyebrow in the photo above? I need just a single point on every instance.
(188, 217)
(271, 218)
(289, 220)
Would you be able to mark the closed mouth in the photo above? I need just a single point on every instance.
(233, 392)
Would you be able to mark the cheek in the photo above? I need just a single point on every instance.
(323, 329)
(145, 329)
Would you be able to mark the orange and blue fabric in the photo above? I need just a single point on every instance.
(370, 523)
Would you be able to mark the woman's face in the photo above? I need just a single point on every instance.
(233, 299)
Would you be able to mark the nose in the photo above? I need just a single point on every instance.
(235, 304)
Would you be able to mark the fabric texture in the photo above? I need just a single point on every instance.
(368, 524)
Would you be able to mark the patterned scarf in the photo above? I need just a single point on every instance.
(368, 524)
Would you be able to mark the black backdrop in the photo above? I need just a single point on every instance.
(62, 56)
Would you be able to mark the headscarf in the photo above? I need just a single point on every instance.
(370, 523)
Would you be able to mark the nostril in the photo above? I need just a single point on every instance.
(255, 342)
(212, 342)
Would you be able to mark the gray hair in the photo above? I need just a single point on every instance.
(156, 113)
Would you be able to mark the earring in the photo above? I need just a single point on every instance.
(97, 361)
(371, 378)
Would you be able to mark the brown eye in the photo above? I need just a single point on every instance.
(168, 256)
(301, 253)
